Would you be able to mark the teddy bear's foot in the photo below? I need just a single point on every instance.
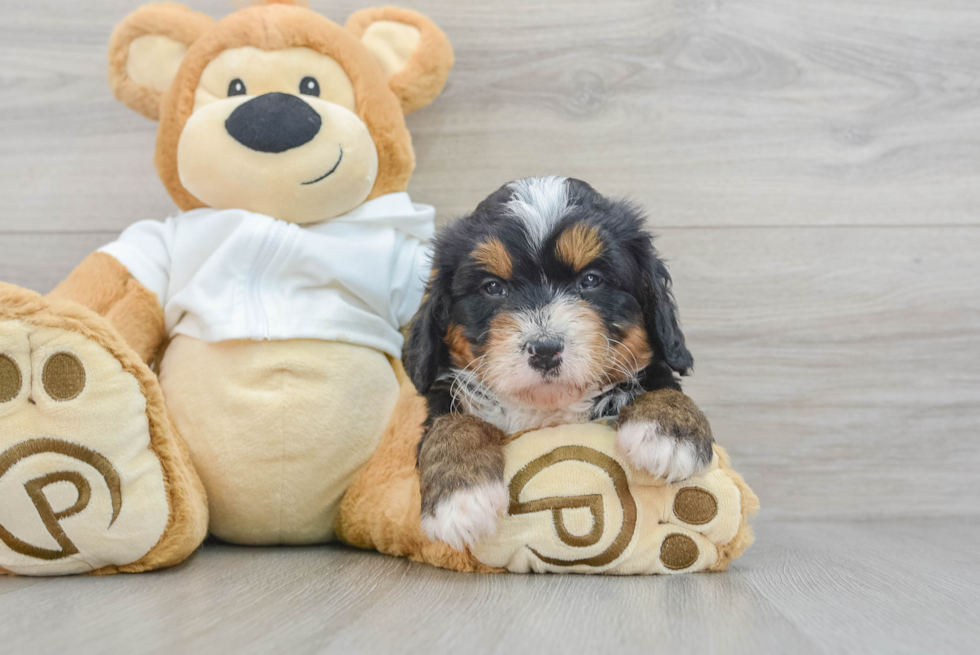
(578, 505)
(93, 477)
(702, 519)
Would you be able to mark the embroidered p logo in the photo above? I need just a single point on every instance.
(36, 486)
(594, 502)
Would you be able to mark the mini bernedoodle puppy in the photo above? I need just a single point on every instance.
(547, 305)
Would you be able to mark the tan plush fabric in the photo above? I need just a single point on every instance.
(105, 286)
(277, 27)
(169, 20)
(277, 429)
(391, 43)
(205, 147)
(557, 477)
(153, 61)
(417, 78)
(750, 505)
(109, 486)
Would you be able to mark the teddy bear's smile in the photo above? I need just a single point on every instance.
(330, 172)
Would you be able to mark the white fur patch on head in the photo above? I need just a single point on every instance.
(467, 515)
(651, 449)
(539, 202)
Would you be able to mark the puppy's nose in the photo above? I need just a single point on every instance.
(274, 122)
(545, 355)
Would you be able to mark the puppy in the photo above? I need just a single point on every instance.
(547, 305)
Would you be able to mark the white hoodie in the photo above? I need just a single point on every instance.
(232, 274)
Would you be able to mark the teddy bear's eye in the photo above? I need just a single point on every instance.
(309, 86)
(236, 88)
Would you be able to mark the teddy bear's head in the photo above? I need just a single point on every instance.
(276, 109)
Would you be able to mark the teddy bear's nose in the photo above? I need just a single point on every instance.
(274, 122)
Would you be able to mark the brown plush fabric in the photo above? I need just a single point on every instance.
(750, 505)
(105, 286)
(281, 26)
(165, 18)
(424, 76)
(187, 523)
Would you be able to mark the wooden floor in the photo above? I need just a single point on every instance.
(813, 587)
(813, 172)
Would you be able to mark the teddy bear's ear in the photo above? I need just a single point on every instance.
(146, 49)
(414, 53)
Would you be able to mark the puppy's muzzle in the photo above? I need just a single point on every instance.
(544, 356)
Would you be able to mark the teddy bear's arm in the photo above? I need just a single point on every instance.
(105, 286)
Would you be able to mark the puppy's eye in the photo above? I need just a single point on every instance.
(236, 88)
(309, 87)
(495, 288)
(589, 281)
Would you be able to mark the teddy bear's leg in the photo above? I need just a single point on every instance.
(93, 477)
(702, 522)
(715, 505)
(277, 429)
(577, 505)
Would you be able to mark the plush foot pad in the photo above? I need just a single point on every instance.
(92, 477)
(576, 506)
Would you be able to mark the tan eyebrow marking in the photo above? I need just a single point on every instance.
(493, 256)
(579, 246)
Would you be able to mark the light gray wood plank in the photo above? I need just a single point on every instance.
(874, 587)
(719, 112)
(841, 367)
(38, 261)
(883, 587)
(9, 585)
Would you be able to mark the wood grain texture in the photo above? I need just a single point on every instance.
(710, 112)
(840, 366)
(880, 587)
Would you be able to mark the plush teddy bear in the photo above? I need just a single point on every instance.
(270, 307)
(270, 311)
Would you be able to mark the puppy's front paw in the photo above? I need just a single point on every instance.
(650, 448)
(664, 433)
(466, 515)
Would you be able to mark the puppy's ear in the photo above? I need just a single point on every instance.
(425, 349)
(660, 312)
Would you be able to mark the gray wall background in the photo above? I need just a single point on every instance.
(812, 171)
